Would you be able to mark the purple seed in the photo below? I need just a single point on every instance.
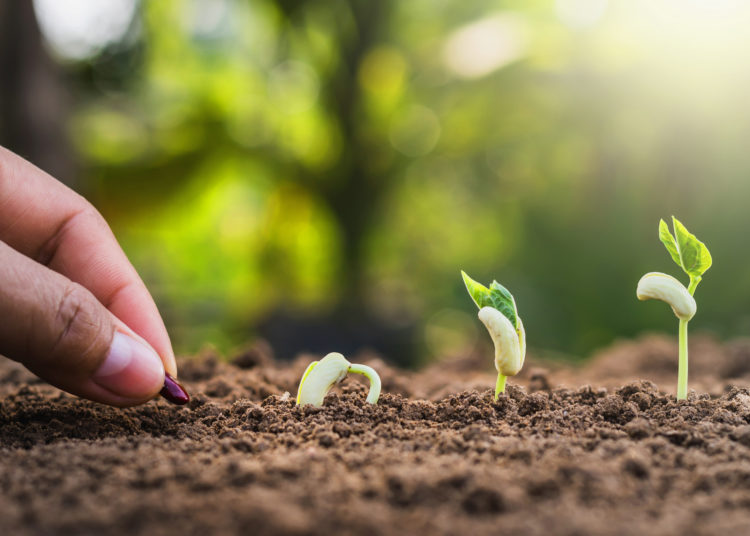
(173, 391)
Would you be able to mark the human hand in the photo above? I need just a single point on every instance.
(72, 308)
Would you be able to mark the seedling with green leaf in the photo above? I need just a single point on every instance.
(693, 257)
(321, 375)
(498, 312)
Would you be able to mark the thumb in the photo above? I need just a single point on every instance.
(64, 335)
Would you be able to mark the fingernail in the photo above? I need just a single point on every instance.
(131, 369)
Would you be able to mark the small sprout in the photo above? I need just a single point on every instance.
(321, 375)
(498, 312)
(693, 257)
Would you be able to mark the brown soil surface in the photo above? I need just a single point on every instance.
(435, 456)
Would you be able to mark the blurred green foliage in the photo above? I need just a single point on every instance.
(320, 155)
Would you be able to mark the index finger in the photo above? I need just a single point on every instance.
(50, 223)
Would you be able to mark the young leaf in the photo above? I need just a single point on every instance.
(694, 256)
(497, 296)
(477, 291)
(503, 301)
(668, 240)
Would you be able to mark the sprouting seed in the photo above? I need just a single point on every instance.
(693, 257)
(498, 312)
(321, 376)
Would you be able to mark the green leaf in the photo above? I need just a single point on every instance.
(668, 240)
(497, 296)
(694, 256)
(503, 301)
(477, 291)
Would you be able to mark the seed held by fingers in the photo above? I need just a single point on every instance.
(173, 391)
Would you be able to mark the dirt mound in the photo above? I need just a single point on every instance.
(434, 456)
(712, 364)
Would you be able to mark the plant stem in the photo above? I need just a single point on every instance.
(693, 283)
(370, 374)
(500, 385)
(682, 373)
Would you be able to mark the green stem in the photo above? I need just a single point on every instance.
(500, 385)
(693, 283)
(370, 374)
(682, 373)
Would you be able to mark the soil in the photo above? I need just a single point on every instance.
(593, 450)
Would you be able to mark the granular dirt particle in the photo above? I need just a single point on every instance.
(437, 455)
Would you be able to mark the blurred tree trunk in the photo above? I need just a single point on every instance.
(33, 102)
(356, 200)
(354, 197)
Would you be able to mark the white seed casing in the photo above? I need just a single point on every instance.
(666, 288)
(320, 377)
(522, 341)
(510, 345)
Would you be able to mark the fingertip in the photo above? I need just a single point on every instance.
(132, 370)
(138, 315)
(162, 347)
(170, 363)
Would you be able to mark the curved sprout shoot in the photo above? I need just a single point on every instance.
(370, 374)
(321, 376)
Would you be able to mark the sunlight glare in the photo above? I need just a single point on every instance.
(580, 14)
(79, 29)
(483, 46)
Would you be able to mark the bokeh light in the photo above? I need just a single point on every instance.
(329, 167)
(79, 29)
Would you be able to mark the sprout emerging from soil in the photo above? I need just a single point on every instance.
(693, 257)
(321, 375)
(497, 311)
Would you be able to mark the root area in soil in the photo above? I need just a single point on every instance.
(437, 455)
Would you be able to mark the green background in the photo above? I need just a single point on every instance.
(318, 172)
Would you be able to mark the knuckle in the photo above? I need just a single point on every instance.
(72, 313)
(77, 326)
(90, 213)
(3, 169)
(8, 178)
(85, 216)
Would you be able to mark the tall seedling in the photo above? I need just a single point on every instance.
(693, 257)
